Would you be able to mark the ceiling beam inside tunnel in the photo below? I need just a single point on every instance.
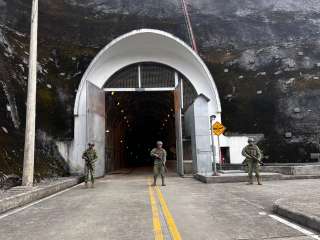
(136, 109)
(164, 89)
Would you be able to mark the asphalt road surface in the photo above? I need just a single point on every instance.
(125, 206)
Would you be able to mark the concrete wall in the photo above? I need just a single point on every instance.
(89, 127)
(96, 125)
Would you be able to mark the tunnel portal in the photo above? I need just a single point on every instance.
(143, 86)
(140, 109)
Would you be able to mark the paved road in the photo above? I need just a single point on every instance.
(125, 207)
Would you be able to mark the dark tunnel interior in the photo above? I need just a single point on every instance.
(134, 122)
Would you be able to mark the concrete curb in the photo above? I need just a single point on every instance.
(309, 221)
(243, 178)
(297, 177)
(235, 178)
(35, 194)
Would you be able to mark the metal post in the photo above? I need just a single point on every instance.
(219, 148)
(29, 145)
(215, 173)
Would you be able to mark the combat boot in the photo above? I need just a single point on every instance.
(163, 184)
(250, 182)
(154, 182)
(259, 180)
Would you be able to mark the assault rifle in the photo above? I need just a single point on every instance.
(259, 161)
(164, 166)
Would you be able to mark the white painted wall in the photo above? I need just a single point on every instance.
(236, 144)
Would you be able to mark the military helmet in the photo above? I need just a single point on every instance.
(159, 143)
(251, 140)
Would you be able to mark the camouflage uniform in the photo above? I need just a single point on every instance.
(159, 163)
(90, 157)
(253, 156)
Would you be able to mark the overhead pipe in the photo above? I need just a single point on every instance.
(189, 25)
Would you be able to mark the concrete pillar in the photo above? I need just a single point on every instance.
(28, 164)
(197, 123)
(178, 124)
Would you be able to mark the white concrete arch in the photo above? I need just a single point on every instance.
(148, 45)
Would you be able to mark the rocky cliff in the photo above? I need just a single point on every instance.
(263, 54)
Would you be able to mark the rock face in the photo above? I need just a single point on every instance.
(270, 48)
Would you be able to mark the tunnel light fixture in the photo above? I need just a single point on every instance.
(125, 117)
(107, 131)
(168, 115)
(112, 93)
(122, 110)
(118, 103)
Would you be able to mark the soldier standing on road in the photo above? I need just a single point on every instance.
(160, 157)
(253, 159)
(90, 157)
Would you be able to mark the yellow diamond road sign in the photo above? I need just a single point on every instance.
(218, 128)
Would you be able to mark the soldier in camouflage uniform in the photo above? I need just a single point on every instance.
(160, 157)
(253, 159)
(90, 157)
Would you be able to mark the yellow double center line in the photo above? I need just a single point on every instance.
(155, 216)
(174, 232)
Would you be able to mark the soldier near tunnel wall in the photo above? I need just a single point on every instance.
(253, 157)
(90, 157)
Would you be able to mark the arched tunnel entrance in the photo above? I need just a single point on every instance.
(141, 109)
(143, 86)
(136, 121)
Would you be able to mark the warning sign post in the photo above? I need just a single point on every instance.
(217, 129)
